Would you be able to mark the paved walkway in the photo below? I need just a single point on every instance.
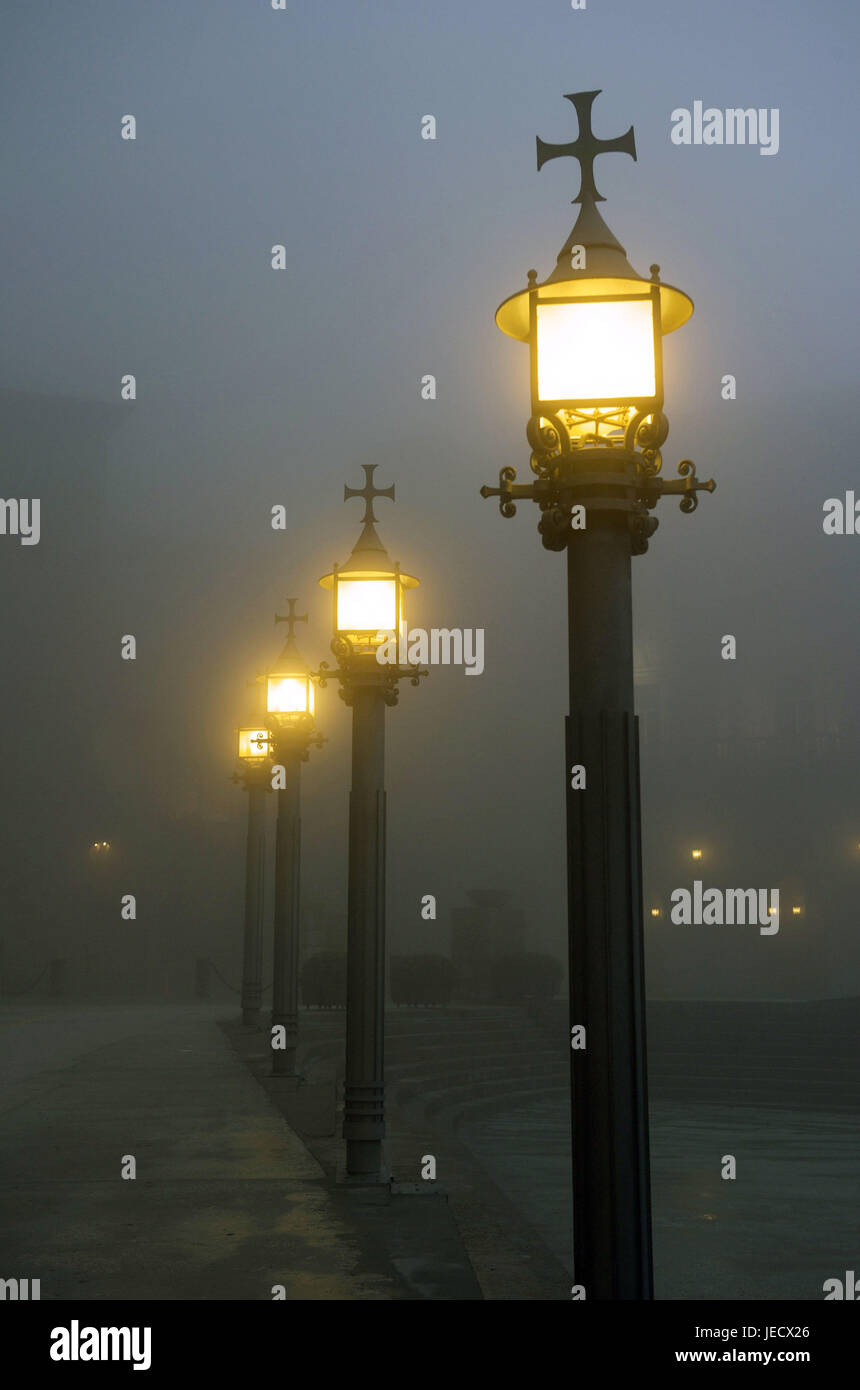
(227, 1201)
(775, 1085)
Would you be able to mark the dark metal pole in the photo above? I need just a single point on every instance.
(611, 1181)
(364, 1095)
(255, 867)
(285, 987)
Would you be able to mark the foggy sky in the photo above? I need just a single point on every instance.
(258, 387)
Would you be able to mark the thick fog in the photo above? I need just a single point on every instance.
(257, 387)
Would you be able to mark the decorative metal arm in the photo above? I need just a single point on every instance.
(598, 472)
(353, 672)
(508, 490)
(687, 486)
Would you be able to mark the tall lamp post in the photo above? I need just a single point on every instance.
(594, 329)
(290, 706)
(368, 607)
(254, 758)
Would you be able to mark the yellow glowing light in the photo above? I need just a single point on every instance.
(697, 854)
(253, 743)
(290, 695)
(796, 911)
(595, 351)
(96, 845)
(512, 316)
(655, 912)
(366, 605)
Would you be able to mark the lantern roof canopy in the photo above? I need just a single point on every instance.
(607, 271)
(290, 662)
(369, 558)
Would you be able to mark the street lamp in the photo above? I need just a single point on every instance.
(368, 605)
(252, 745)
(594, 329)
(290, 710)
(368, 592)
(253, 754)
(289, 687)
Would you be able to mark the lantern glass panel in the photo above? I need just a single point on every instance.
(290, 695)
(253, 743)
(596, 351)
(366, 605)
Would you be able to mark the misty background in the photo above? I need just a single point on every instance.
(255, 387)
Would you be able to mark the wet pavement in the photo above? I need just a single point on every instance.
(226, 1201)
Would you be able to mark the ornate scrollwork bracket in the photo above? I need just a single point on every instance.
(618, 470)
(644, 436)
(298, 737)
(507, 491)
(642, 527)
(392, 677)
(687, 487)
(356, 671)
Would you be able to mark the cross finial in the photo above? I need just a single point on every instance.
(368, 492)
(586, 147)
(291, 618)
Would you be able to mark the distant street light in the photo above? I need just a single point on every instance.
(254, 758)
(594, 329)
(697, 854)
(368, 605)
(253, 745)
(290, 714)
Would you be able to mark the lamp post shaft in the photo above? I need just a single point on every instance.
(611, 1180)
(285, 983)
(364, 1100)
(255, 867)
